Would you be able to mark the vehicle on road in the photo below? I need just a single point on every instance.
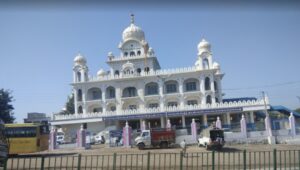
(60, 139)
(27, 137)
(212, 138)
(162, 138)
(99, 139)
(3, 144)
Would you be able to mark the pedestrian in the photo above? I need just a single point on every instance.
(183, 147)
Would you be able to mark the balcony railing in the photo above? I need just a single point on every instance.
(165, 109)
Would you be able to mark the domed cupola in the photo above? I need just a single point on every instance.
(203, 46)
(79, 60)
(133, 32)
(101, 73)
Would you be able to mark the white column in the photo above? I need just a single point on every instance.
(75, 101)
(119, 100)
(141, 96)
(183, 121)
(161, 94)
(82, 75)
(251, 117)
(162, 122)
(103, 99)
(205, 120)
(202, 90)
(228, 121)
(212, 86)
(84, 106)
(181, 86)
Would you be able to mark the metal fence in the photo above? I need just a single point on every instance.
(276, 159)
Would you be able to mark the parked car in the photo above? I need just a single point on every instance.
(99, 139)
(212, 138)
(60, 139)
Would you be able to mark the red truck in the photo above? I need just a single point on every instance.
(163, 138)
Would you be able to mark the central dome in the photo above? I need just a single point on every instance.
(133, 32)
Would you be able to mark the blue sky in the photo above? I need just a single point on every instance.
(256, 48)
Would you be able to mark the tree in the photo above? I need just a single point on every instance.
(69, 106)
(6, 108)
(298, 110)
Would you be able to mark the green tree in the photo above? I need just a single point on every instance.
(6, 108)
(298, 110)
(69, 106)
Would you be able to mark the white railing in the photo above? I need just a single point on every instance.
(145, 74)
(166, 109)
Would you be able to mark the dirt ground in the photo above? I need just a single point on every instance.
(105, 149)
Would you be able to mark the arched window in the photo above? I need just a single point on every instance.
(172, 104)
(207, 83)
(139, 53)
(79, 95)
(117, 72)
(151, 88)
(205, 63)
(153, 105)
(129, 92)
(171, 86)
(139, 70)
(146, 69)
(192, 102)
(208, 99)
(132, 53)
(126, 54)
(191, 84)
(110, 92)
(80, 109)
(216, 87)
(78, 76)
(97, 109)
(94, 93)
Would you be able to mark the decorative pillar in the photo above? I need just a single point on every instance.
(228, 121)
(81, 136)
(52, 142)
(194, 130)
(127, 136)
(103, 99)
(243, 126)
(161, 94)
(292, 124)
(218, 123)
(181, 86)
(268, 125)
(119, 100)
(75, 101)
(183, 121)
(205, 120)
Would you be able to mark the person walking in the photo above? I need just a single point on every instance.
(183, 147)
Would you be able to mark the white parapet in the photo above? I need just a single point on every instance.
(258, 104)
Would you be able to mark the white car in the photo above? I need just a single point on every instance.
(203, 141)
(60, 139)
(99, 139)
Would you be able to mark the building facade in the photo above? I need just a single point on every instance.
(136, 89)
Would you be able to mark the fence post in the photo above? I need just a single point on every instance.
(274, 159)
(148, 161)
(213, 160)
(5, 164)
(244, 159)
(114, 161)
(181, 160)
(79, 162)
(42, 162)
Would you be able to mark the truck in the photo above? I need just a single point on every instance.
(162, 138)
(212, 138)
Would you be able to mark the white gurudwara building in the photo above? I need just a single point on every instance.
(136, 89)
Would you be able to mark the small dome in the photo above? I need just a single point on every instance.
(110, 55)
(133, 32)
(216, 65)
(101, 73)
(79, 59)
(204, 45)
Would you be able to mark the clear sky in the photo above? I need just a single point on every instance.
(258, 48)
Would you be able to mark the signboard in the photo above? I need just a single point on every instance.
(176, 113)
